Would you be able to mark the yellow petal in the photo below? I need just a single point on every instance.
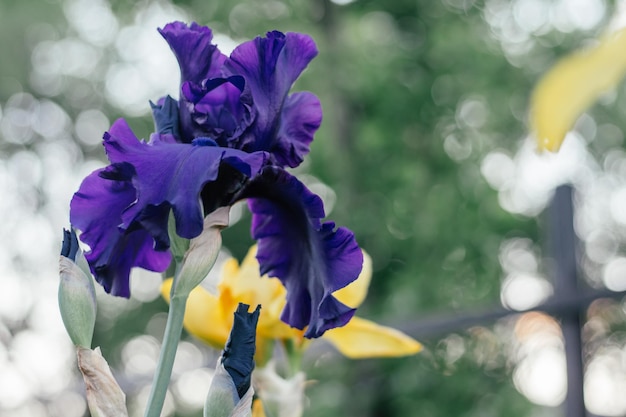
(362, 338)
(257, 408)
(353, 294)
(572, 85)
(204, 317)
(245, 284)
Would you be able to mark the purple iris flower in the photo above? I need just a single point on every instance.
(229, 137)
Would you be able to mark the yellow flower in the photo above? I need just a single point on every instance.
(209, 317)
(574, 84)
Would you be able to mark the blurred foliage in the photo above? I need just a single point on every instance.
(415, 94)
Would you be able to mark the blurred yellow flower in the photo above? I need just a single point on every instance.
(574, 84)
(209, 317)
(257, 408)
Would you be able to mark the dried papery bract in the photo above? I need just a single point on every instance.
(104, 396)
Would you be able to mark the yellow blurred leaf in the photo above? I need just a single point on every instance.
(574, 84)
(362, 338)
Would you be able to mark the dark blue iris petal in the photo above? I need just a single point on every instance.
(197, 57)
(284, 126)
(165, 115)
(220, 108)
(312, 259)
(238, 355)
(96, 210)
(123, 210)
(70, 244)
(172, 173)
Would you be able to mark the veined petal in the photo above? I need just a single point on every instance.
(572, 85)
(96, 209)
(219, 108)
(174, 175)
(283, 126)
(197, 57)
(300, 119)
(365, 339)
(311, 259)
(244, 284)
(165, 115)
(354, 293)
(204, 317)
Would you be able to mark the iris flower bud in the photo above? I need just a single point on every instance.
(77, 297)
(202, 253)
(231, 391)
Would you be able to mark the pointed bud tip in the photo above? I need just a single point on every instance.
(69, 248)
(238, 355)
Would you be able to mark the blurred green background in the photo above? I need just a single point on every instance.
(423, 153)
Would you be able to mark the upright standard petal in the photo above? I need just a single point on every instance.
(311, 258)
(173, 175)
(96, 209)
(197, 57)
(219, 108)
(283, 126)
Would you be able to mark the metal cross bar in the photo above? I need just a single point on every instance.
(569, 302)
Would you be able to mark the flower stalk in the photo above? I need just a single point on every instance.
(163, 373)
(196, 264)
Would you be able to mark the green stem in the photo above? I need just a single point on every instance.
(294, 357)
(163, 373)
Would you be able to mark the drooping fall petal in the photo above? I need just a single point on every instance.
(574, 84)
(312, 259)
(186, 169)
(96, 209)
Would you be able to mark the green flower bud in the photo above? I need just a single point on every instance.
(77, 295)
(202, 253)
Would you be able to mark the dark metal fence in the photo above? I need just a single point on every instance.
(568, 304)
